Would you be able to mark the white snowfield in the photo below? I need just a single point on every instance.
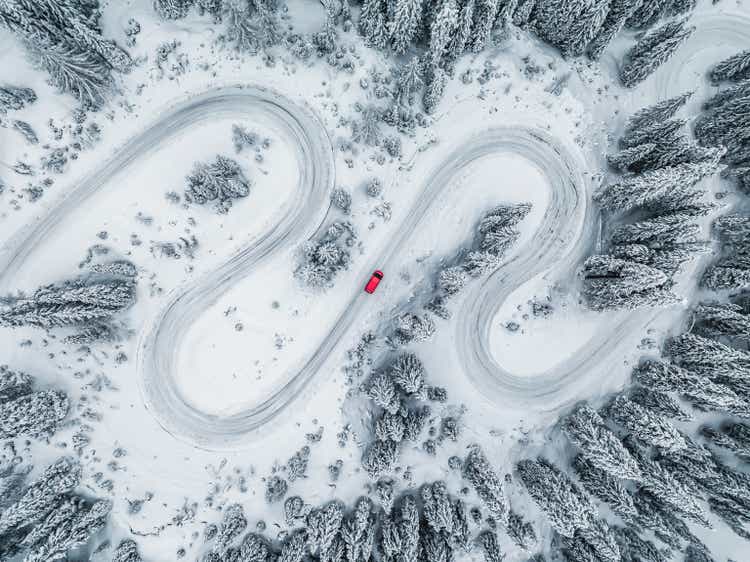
(514, 384)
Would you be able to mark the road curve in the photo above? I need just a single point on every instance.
(564, 234)
(161, 342)
(563, 218)
(717, 36)
(306, 212)
(230, 101)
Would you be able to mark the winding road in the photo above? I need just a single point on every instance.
(563, 219)
(563, 238)
(560, 232)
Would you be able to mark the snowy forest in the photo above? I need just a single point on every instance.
(551, 362)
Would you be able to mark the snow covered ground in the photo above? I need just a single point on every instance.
(232, 361)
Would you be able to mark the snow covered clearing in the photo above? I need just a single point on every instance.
(219, 174)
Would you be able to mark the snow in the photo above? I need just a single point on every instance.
(539, 343)
(251, 341)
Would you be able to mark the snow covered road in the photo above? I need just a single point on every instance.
(565, 221)
(565, 235)
(161, 343)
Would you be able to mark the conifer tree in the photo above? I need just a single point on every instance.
(585, 25)
(631, 159)
(233, 524)
(709, 358)
(570, 26)
(523, 11)
(409, 528)
(576, 549)
(373, 23)
(435, 546)
(383, 392)
(410, 327)
(358, 531)
(648, 188)
(13, 98)
(41, 495)
(734, 437)
(612, 283)
(390, 539)
(485, 12)
(694, 553)
(715, 320)
(405, 24)
(14, 384)
(12, 478)
(605, 487)
(734, 69)
(442, 28)
(478, 471)
(504, 16)
(658, 231)
(490, 546)
(173, 9)
(617, 14)
(390, 427)
(34, 415)
(72, 532)
(435, 83)
(437, 508)
(652, 115)
(66, 509)
(732, 270)
(586, 429)
(63, 38)
(567, 508)
(408, 373)
(633, 548)
(323, 526)
(667, 489)
(647, 14)
(652, 50)
(699, 391)
(409, 80)
(380, 458)
(644, 424)
(660, 132)
(293, 548)
(735, 92)
(521, 532)
(462, 37)
(252, 549)
(127, 551)
(76, 303)
(602, 540)
(725, 122)
(660, 403)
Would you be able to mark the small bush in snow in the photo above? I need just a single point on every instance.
(222, 181)
(374, 188)
(380, 458)
(276, 488)
(342, 199)
(320, 260)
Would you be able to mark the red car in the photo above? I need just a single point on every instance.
(372, 284)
